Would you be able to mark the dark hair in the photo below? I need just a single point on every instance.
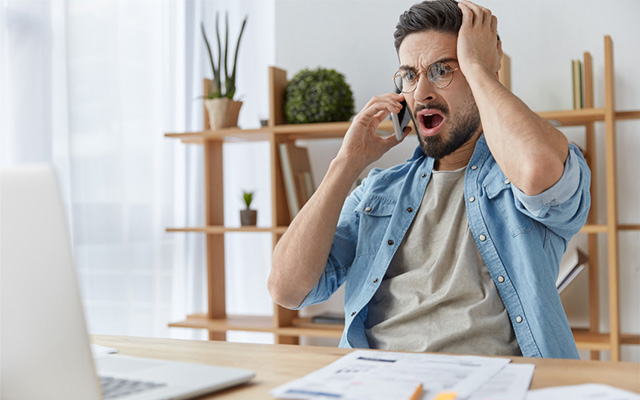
(438, 15)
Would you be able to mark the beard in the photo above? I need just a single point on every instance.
(461, 128)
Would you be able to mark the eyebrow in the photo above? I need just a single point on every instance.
(442, 60)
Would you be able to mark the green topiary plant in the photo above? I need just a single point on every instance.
(320, 95)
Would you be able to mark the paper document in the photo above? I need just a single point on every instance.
(511, 383)
(588, 391)
(365, 374)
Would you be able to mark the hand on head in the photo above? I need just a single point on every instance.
(478, 44)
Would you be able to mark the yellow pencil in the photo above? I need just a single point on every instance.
(416, 395)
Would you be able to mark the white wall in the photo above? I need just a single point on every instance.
(356, 38)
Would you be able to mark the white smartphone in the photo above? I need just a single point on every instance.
(401, 120)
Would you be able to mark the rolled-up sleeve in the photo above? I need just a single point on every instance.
(341, 255)
(565, 205)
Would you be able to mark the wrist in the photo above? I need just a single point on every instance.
(346, 167)
(478, 73)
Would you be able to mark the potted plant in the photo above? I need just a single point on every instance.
(248, 217)
(320, 95)
(223, 110)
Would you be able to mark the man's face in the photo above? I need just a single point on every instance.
(445, 118)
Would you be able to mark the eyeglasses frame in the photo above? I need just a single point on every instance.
(426, 72)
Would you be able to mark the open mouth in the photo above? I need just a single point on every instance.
(430, 121)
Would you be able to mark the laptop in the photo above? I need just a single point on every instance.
(44, 345)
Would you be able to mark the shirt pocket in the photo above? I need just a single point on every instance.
(498, 190)
(374, 213)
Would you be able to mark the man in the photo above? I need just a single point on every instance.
(456, 250)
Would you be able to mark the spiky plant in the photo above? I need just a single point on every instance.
(229, 78)
(247, 197)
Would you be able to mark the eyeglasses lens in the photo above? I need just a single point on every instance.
(440, 75)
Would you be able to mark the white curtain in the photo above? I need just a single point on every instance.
(91, 87)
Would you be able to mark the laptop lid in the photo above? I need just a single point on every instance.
(44, 348)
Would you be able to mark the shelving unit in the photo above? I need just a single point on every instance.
(285, 324)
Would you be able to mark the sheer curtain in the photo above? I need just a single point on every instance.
(91, 87)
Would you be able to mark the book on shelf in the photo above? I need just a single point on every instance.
(577, 84)
(296, 171)
(328, 318)
(572, 263)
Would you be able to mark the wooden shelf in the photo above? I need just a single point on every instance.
(584, 116)
(586, 340)
(326, 130)
(218, 229)
(602, 228)
(252, 323)
(330, 130)
(304, 327)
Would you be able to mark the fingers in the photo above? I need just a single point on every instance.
(379, 107)
(476, 15)
(393, 97)
(494, 24)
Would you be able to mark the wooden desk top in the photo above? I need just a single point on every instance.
(278, 364)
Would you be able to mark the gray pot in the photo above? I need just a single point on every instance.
(248, 217)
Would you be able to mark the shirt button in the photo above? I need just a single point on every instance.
(353, 313)
(482, 238)
(367, 209)
(474, 167)
(409, 209)
(375, 280)
(518, 319)
(424, 175)
(501, 279)
(506, 181)
(472, 199)
(390, 242)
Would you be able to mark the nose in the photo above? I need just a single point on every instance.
(424, 90)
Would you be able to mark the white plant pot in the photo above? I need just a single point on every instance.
(218, 111)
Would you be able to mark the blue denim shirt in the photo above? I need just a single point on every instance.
(521, 239)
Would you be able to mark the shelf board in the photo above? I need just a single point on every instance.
(304, 327)
(249, 323)
(326, 130)
(594, 228)
(219, 229)
(330, 130)
(586, 340)
(603, 228)
(253, 323)
(584, 116)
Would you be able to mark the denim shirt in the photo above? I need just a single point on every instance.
(521, 239)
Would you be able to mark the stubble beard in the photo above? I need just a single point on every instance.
(462, 127)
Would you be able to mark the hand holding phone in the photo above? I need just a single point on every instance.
(401, 120)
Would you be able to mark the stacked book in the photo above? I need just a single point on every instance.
(296, 171)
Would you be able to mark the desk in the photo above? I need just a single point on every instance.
(278, 364)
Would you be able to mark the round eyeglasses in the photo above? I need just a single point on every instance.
(439, 75)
